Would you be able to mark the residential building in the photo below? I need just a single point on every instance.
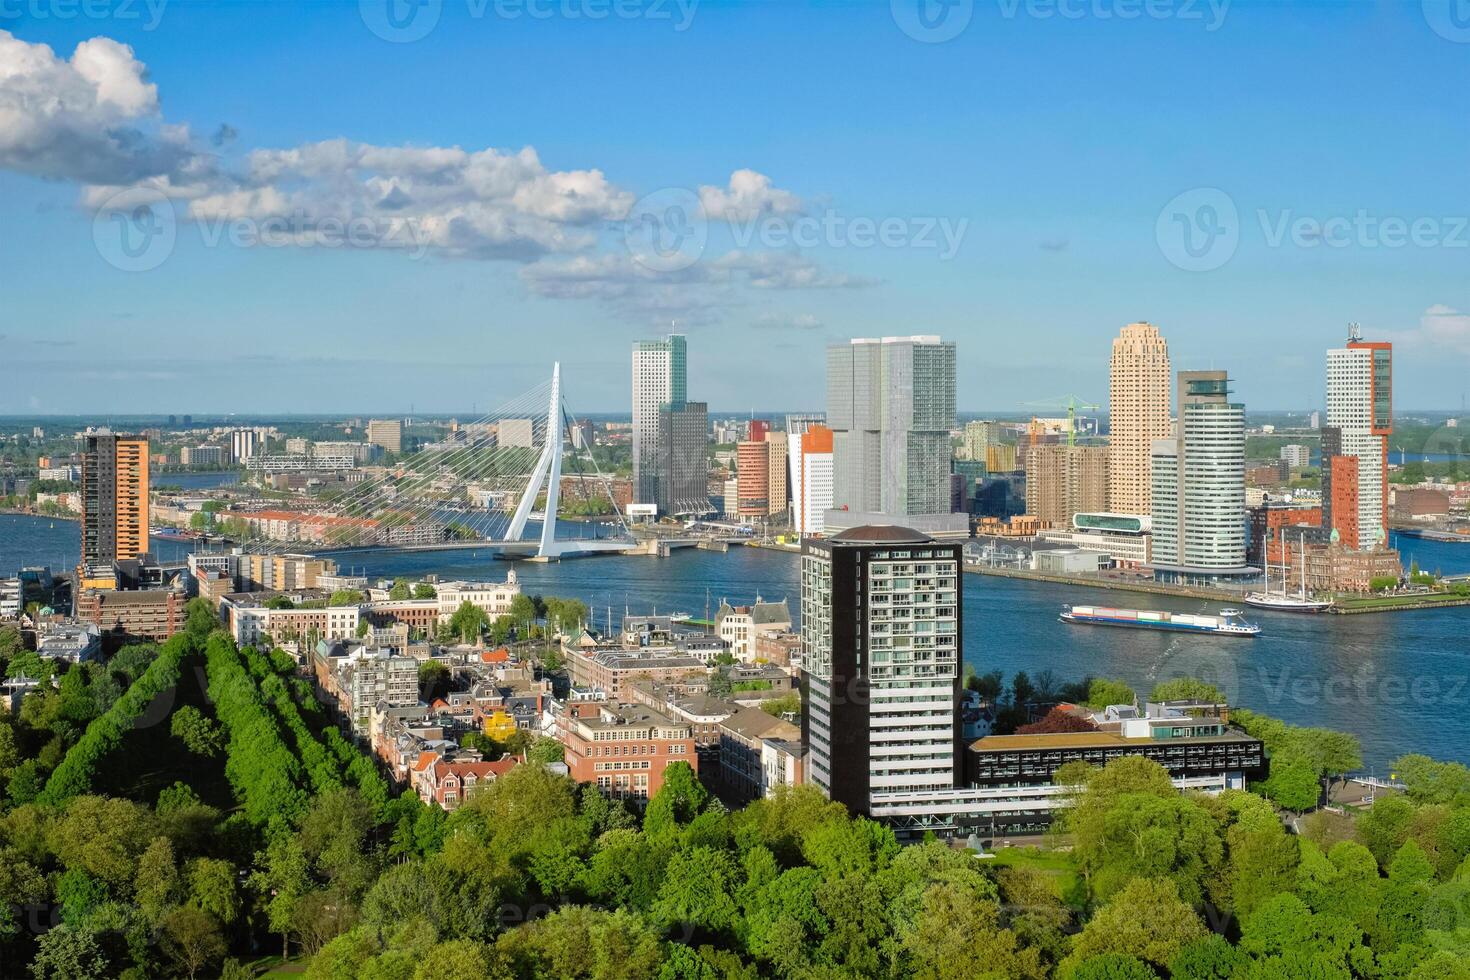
(811, 479)
(742, 775)
(202, 456)
(387, 434)
(244, 443)
(248, 619)
(1138, 413)
(1360, 410)
(72, 642)
(614, 670)
(1296, 456)
(1199, 520)
(752, 479)
(449, 782)
(660, 377)
(114, 498)
(777, 445)
(740, 626)
(146, 614)
(881, 654)
(891, 406)
(1063, 480)
(1001, 458)
(372, 676)
(516, 434)
(624, 748)
(977, 439)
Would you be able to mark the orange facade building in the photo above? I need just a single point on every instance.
(114, 498)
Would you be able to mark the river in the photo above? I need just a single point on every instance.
(1399, 681)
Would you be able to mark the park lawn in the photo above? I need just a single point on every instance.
(1389, 602)
(1053, 863)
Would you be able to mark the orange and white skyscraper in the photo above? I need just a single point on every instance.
(1138, 414)
(1359, 422)
(811, 483)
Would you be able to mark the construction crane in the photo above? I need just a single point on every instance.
(1071, 403)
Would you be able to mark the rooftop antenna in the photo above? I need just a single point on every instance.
(1355, 333)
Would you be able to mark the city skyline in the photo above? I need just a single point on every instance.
(548, 254)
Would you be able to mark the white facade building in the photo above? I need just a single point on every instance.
(1360, 408)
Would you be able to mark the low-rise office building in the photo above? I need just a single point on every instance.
(624, 748)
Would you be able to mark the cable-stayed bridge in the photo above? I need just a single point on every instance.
(498, 484)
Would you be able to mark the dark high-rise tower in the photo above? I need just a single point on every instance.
(114, 498)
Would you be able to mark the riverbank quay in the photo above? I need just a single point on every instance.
(1346, 605)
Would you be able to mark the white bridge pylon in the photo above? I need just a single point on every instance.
(547, 472)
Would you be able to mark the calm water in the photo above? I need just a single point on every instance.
(1400, 681)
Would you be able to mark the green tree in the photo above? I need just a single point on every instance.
(192, 939)
(346, 597)
(423, 590)
(1113, 966)
(67, 953)
(434, 681)
(1102, 692)
(1186, 689)
(400, 589)
(1146, 919)
(199, 735)
(467, 622)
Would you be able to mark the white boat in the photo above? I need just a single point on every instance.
(1283, 601)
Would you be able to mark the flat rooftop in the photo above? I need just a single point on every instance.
(1092, 740)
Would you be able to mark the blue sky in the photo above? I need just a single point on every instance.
(1049, 142)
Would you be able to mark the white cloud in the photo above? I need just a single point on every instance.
(748, 196)
(788, 321)
(1441, 329)
(96, 120)
(92, 118)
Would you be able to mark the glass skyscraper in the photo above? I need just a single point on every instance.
(891, 406)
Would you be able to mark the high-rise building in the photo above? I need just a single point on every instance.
(777, 446)
(1360, 408)
(1064, 480)
(244, 443)
(1198, 484)
(1000, 459)
(891, 406)
(1296, 456)
(978, 438)
(752, 479)
(516, 433)
(114, 498)
(880, 629)
(660, 377)
(1138, 414)
(681, 462)
(811, 480)
(386, 434)
(756, 429)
